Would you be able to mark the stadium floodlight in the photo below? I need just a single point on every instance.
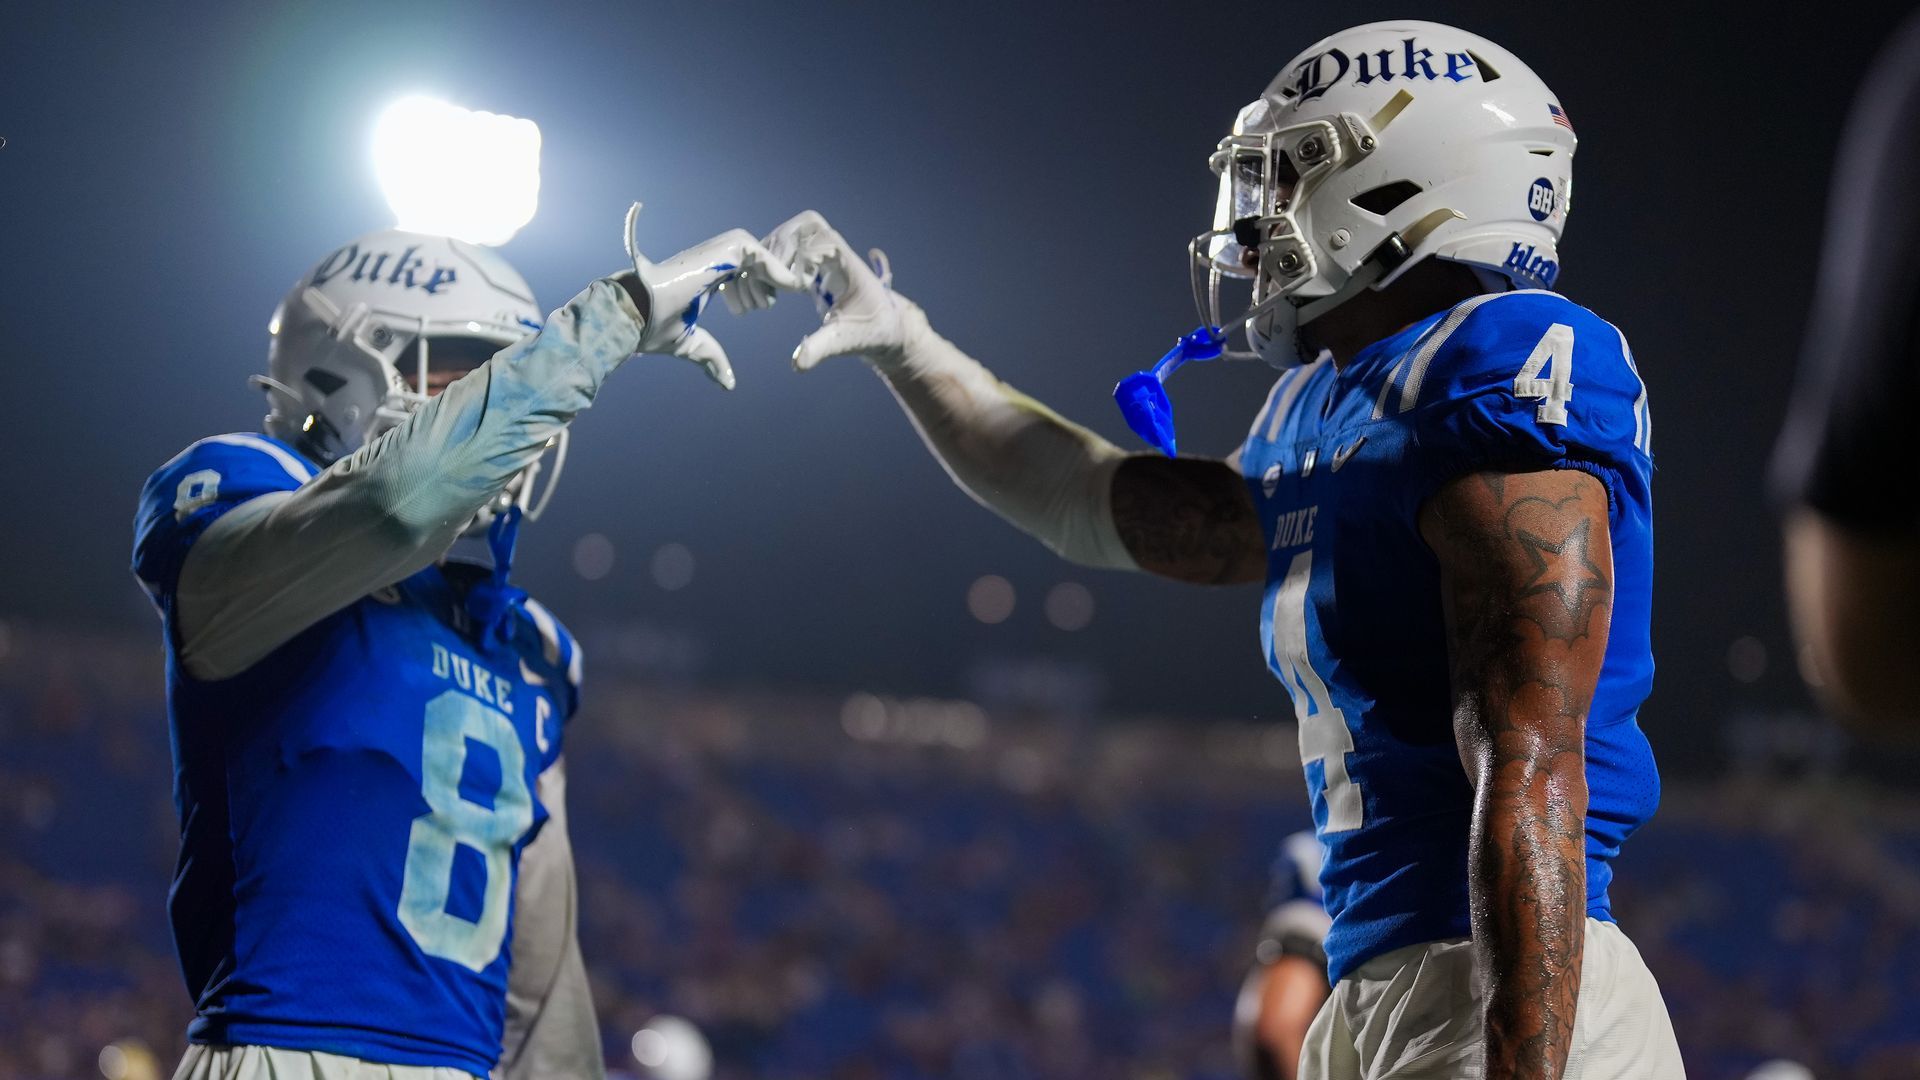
(455, 172)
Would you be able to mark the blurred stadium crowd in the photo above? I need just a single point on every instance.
(880, 889)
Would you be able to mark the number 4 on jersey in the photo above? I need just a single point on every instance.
(1554, 391)
(1324, 736)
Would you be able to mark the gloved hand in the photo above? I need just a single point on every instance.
(1047, 475)
(672, 294)
(860, 312)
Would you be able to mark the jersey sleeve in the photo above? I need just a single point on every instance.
(559, 657)
(192, 491)
(1523, 381)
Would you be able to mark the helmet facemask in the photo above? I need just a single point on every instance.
(1263, 226)
(383, 323)
(366, 372)
(438, 362)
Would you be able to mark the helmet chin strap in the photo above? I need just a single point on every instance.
(420, 339)
(491, 603)
(278, 394)
(535, 507)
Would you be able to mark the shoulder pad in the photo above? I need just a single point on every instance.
(1526, 367)
(1520, 381)
(559, 651)
(1485, 341)
(192, 491)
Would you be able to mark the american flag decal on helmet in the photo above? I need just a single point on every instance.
(1559, 116)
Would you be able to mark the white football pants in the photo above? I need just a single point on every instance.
(1414, 1014)
(275, 1063)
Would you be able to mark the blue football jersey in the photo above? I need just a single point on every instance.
(352, 807)
(1339, 463)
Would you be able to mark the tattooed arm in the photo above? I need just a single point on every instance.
(1526, 568)
(1190, 519)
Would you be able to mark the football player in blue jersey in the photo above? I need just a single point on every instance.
(1288, 984)
(1446, 496)
(367, 734)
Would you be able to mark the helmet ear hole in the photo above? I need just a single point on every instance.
(323, 380)
(1383, 199)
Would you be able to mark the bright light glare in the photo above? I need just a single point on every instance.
(453, 172)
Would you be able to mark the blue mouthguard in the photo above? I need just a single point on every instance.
(1142, 396)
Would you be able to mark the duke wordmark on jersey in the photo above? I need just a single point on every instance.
(1293, 528)
(469, 676)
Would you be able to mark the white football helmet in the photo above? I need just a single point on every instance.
(387, 303)
(1374, 149)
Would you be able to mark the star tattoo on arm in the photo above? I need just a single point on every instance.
(1526, 574)
(1564, 572)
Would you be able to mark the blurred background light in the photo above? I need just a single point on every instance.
(593, 556)
(918, 721)
(673, 567)
(455, 172)
(128, 1059)
(1070, 606)
(990, 599)
(669, 1048)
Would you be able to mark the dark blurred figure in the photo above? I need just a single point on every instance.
(1853, 524)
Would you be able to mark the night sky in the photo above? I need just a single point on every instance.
(1034, 170)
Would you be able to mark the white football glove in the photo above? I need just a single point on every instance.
(1047, 475)
(678, 291)
(860, 312)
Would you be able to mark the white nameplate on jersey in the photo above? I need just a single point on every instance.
(1295, 527)
(472, 678)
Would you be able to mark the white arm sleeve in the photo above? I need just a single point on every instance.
(551, 1031)
(275, 565)
(1047, 475)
